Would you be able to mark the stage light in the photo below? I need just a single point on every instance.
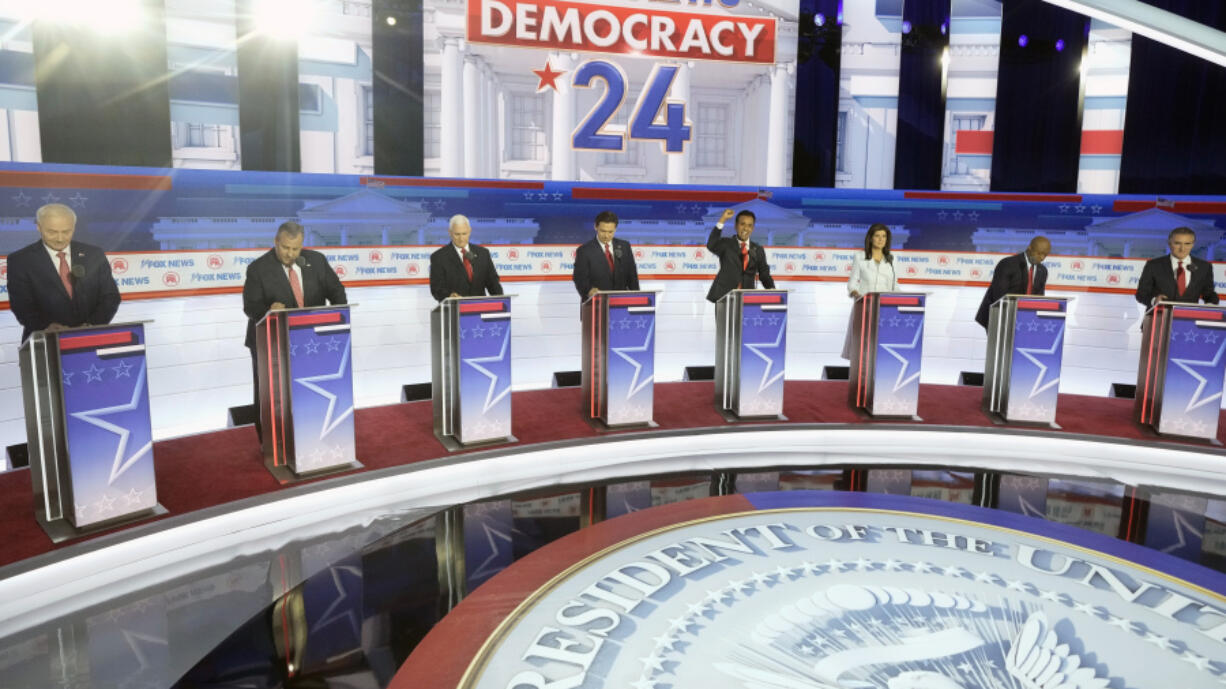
(906, 26)
(288, 19)
(1178, 32)
(391, 21)
(1023, 40)
(819, 19)
(1060, 45)
(945, 59)
(112, 17)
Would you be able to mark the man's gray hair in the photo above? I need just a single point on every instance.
(291, 228)
(456, 220)
(54, 209)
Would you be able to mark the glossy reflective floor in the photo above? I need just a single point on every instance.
(344, 611)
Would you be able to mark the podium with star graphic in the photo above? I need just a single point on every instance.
(470, 370)
(619, 358)
(888, 329)
(90, 440)
(750, 342)
(1021, 377)
(306, 391)
(1179, 376)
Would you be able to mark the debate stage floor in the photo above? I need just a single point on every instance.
(213, 469)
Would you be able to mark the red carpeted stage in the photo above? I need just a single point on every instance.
(212, 469)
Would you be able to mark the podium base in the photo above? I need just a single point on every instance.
(454, 445)
(1000, 420)
(732, 417)
(285, 475)
(60, 530)
(868, 415)
(601, 427)
(1153, 432)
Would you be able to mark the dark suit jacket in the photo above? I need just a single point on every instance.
(1158, 278)
(730, 275)
(267, 283)
(447, 273)
(38, 298)
(1010, 278)
(592, 268)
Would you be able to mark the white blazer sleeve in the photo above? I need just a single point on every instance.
(856, 279)
(893, 278)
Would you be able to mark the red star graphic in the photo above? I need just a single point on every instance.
(548, 76)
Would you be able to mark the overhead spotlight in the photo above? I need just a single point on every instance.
(819, 19)
(1060, 45)
(1023, 40)
(391, 21)
(112, 17)
(288, 19)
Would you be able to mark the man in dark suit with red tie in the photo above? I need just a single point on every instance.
(56, 283)
(604, 263)
(1022, 273)
(461, 269)
(286, 277)
(1178, 276)
(741, 262)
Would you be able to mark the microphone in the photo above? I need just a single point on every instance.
(78, 271)
(617, 252)
(1191, 266)
(301, 262)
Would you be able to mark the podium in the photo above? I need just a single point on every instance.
(750, 346)
(470, 370)
(884, 376)
(303, 357)
(1021, 377)
(90, 441)
(619, 348)
(1179, 377)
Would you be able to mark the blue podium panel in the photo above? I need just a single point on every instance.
(108, 436)
(321, 371)
(1038, 350)
(623, 338)
(888, 383)
(764, 324)
(1182, 389)
(484, 377)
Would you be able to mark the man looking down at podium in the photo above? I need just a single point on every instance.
(286, 277)
(1022, 273)
(1178, 276)
(460, 269)
(604, 263)
(741, 261)
(56, 283)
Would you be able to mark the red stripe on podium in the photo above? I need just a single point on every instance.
(629, 301)
(1032, 305)
(901, 301)
(92, 341)
(762, 299)
(482, 307)
(299, 320)
(1197, 314)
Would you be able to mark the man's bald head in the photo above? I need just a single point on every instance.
(1038, 249)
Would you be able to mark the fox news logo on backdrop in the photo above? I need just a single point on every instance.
(833, 598)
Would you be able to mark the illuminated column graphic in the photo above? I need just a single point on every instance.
(451, 136)
(679, 163)
(473, 123)
(562, 162)
(762, 116)
(776, 137)
(490, 147)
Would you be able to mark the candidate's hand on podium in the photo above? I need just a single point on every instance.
(1161, 298)
(726, 216)
(55, 328)
(592, 292)
(453, 295)
(277, 306)
(855, 294)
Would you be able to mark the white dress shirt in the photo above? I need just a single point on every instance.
(55, 260)
(868, 275)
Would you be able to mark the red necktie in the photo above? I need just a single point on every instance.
(1181, 279)
(608, 257)
(744, 256)
(295, 286)
(1030, 281)
(468, 265)
(66, 274)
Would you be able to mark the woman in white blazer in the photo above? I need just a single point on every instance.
(871, 272)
